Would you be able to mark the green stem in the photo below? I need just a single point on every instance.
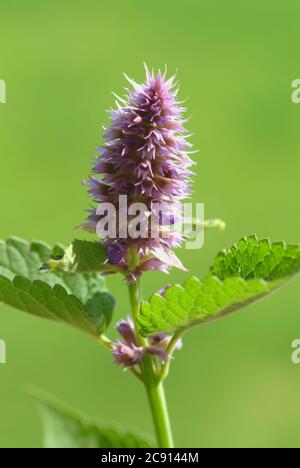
(153, 385)
(158, 405)
(105, 342)
(172, 345)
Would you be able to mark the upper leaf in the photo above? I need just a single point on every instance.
(65, 428)
(252, 258)
(246, 273)
(81, 300)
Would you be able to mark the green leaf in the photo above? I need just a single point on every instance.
(248, 272)
(64, 427)
(251, 258)
(81, 300)
(80, 256)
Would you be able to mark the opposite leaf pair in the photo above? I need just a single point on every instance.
(73, 292)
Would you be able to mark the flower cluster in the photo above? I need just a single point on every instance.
(145, 157)
(128, 354)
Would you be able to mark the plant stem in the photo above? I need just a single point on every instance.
(172, 345)
(158, 405)
(135, 300)
(153, 385)
(105, 342)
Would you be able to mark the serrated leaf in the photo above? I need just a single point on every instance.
(80, 256)
(81, 300)
(64, 427)
(248, 272)
(253, 258)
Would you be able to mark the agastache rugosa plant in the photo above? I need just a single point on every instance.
(145, 163)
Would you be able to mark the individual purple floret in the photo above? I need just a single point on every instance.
(162, 291)
(127, 355)
(126, 330)
(146, 158)
(161, 340)
(115, 251)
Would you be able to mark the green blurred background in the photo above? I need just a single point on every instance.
(233, 384)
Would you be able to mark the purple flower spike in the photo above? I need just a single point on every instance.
(128, 354)
(146, 158)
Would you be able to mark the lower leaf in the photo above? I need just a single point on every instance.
(64, 427)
